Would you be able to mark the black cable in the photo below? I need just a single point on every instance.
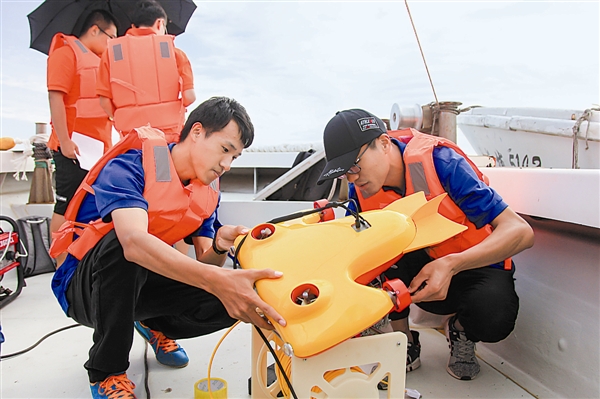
(146, 371)
(285, 377)
(300, 214)
(39, 342)
(359, 219)
(359, 222)
(236, 261)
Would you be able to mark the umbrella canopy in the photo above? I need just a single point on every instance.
(68, 16)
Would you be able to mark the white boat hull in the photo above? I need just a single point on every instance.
(532, 137)
(556, 339)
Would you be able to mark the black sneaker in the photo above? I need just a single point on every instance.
(413, 353)
(413, 359)
(462, 364)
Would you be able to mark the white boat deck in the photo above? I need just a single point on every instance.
(54, 369)
(553, 351)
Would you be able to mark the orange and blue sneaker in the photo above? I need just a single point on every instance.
(167, 351)
(113, 387)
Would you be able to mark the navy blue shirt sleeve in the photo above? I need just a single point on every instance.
(210, 225)
(478, 201)
(353, 205)
(207, 229)
(120, 184)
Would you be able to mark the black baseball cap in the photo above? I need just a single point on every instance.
(343, 137)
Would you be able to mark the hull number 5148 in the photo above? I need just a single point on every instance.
(523, 161)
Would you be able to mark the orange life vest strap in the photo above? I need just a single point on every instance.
(89, 237)
(62, 238)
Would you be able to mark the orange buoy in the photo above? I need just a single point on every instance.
(6, 143)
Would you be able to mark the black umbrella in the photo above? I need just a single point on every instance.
(68, 16)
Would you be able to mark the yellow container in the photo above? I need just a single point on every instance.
(218, 387)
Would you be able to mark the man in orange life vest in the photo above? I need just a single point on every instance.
(71, 77)
(122, 272)
(464, 276)
(143, 78)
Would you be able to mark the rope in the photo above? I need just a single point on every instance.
(470, 107)
(422, 54)
(20, 162)
(39, 139)
(576, 129)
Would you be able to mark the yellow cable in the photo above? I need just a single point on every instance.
(286, 363)
(215, 352)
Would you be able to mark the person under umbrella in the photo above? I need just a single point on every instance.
(74, 107)
(140, 74)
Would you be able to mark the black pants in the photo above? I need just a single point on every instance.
(484, 299)
(69, 176)
(108, 293)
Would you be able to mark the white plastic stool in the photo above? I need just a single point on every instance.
(388, 351)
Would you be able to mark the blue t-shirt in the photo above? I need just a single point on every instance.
(119, 185)
(480, 203)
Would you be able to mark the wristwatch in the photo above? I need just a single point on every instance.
(217, 250)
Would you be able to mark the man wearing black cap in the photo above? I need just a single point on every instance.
(469, 276)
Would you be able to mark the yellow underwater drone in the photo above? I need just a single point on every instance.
(319, 295)
(327, 264)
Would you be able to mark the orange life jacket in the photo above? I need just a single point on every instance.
(145, 84)
(88, 103)
(420, 175)
(174, 211)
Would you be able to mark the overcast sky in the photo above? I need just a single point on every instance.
(294, 64)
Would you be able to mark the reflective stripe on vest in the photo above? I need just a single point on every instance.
(88, 104)
(174, 211)
(145, 83)
(420, 175)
